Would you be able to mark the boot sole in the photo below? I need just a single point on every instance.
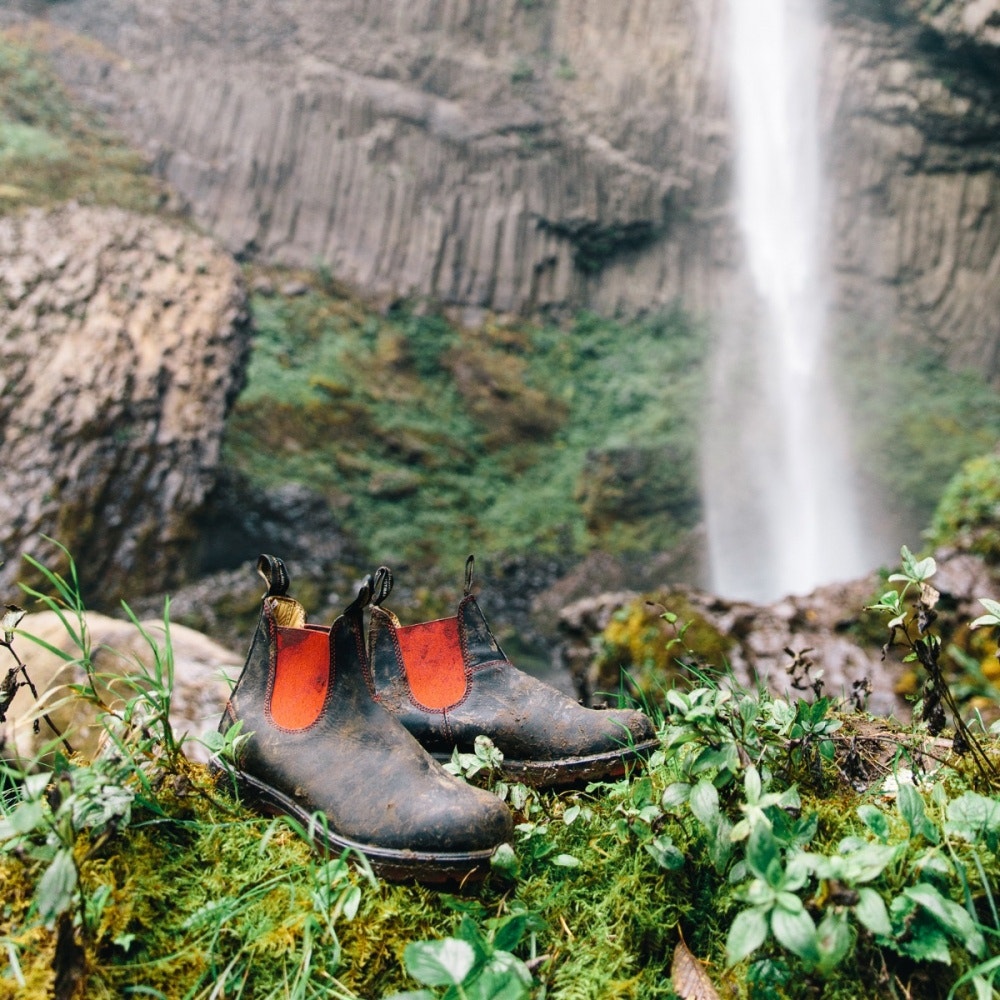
(574, 770)
(393, 864)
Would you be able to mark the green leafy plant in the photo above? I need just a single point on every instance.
(967, 513)
(526, 424)
(472, 965)
(747, 834)
(66, 827)
(44, 823)
(144, 715)
(912, 628)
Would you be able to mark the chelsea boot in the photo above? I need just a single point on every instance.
(318, 742)
(448, 681)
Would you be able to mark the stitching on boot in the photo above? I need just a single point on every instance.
(272, 662)
(357, 634)
(385, 623)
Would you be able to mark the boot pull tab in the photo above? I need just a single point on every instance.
(470, 566)
(272, 569)
(364, 597)
(382, 585)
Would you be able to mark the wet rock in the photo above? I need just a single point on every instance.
(123, 341)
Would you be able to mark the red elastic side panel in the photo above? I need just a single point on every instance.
(432, 656)
(301, 678)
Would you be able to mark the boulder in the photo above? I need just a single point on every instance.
(123, 342)
(203, 670)
(756, 642)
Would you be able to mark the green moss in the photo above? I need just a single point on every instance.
(968, 514)
(201, 896)
(640, 641)
(52, 150)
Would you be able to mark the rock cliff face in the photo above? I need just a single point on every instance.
(507, 154)
(915, 140)
(122, 341)
(521, 154)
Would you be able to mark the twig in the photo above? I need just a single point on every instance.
(23, 670)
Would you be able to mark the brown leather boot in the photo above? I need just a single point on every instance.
(320, 743)
(448, 681)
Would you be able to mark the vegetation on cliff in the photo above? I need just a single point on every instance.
(52, 149)
(429, 440)
(432, 440)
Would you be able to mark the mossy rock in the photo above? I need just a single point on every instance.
(968, 515)
(650, 639)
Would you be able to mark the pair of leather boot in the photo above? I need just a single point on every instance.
(354, 731)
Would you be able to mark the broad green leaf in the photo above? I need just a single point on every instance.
(741, 831)
(504, 977)
(762, 852)
(665, 854)
(678, 700)
(675, 795)
(833, 937)
(509, 933)
(504, 858)
(789, 902)
(566, 861)
(858, 866)
(992, 618)
(797, 871)
(746, 935)
(26, 817)
(704, 802)
(875, 820)
(439, 963)
(797, 933)
(350, 902)
(911, 808)
(971, 815)
(914, 570)
(720, 847)
(927, 943)
(870, 911)
(948, 914)
(789, 799)
(54, 893)
(722, 758)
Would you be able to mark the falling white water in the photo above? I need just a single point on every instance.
(780, 505)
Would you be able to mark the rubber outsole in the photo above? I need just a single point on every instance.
(571, 771)
(393, 864)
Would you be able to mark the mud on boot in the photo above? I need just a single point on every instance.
(448, 681)
(318, 742)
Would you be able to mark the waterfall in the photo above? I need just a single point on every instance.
(781, 511)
